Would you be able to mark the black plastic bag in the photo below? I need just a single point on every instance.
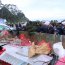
(54, 60)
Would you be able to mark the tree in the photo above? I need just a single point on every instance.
(11, 18)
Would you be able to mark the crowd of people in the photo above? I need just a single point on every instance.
(57, 28)
(52, 29)
(18, 27)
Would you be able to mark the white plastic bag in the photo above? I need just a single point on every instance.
(59, 50)
(40, 60)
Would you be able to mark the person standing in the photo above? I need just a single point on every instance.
(17, 29)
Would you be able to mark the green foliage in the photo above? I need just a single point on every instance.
(32, 26)
(54, 22)
(11, 18)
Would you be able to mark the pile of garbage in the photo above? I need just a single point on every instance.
(50, 54)
(56, 51)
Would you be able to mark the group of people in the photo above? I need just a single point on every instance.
(52, 29)
(18, 27)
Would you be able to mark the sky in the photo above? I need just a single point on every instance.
(40, 9)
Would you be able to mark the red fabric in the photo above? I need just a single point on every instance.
(26, 42)
(61, 61)
(1, 51)
(22, 36)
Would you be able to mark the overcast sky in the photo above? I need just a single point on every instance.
(40, 9)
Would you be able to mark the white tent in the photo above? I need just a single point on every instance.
(63, 22)
(47, 23)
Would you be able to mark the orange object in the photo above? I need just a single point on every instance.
(44, 42)
(41, 42)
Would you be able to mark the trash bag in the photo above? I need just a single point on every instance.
(59, 50)
(42, 49)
